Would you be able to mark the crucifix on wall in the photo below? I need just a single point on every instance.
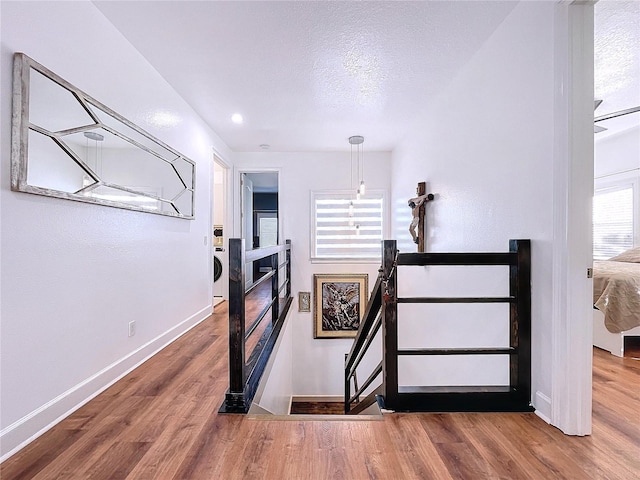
(417, 205)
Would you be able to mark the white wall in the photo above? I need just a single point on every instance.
(617, 153)
(486, 150)
(276, 387)
(319, 363)
(74, 275)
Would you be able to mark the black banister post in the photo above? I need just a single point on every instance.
(389, 325)
(234, 400)
(520, 313)
(275, 286)
(288, 267)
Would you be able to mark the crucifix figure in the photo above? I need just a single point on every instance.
(417, 205)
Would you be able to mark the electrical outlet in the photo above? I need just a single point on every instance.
(132, 328)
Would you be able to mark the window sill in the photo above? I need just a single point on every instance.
(376, 261)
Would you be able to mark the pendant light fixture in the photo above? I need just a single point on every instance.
(358, 141)
(94, 151)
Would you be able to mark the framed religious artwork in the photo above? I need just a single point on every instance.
(339, 300)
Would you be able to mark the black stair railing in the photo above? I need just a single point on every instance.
(513, 397)
(369, 326)
(245, 374)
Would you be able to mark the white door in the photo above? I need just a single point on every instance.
(247, 221)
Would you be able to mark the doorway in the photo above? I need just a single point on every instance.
(220, 227)
(259, 217)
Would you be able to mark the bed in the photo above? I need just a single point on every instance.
(616, 300)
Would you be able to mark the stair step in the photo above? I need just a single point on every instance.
(317, 408)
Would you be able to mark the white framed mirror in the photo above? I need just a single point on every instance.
(66, 144)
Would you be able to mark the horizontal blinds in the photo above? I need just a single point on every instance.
(345, 231)
(612, 222)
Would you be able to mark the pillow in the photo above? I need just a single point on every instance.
(632, 256)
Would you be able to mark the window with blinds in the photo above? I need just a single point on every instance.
(612, 221)
(346, 228)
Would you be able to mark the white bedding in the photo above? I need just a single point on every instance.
(616, 292)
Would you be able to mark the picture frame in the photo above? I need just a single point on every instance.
(339, 301)
(304, 301)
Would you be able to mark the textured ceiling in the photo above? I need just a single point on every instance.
(307, 75)
(617, 62)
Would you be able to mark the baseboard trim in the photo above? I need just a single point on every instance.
(16, 436)
(543, 407)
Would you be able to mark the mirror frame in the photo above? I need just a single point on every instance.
(20, 127)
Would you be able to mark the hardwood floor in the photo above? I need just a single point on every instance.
(161, 422)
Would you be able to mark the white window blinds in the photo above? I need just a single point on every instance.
(347, 228)
(612, 221)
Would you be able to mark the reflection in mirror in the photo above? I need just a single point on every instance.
(66, 144)
(132, 135)
(51, 167)
(53, 107)
(115, 195)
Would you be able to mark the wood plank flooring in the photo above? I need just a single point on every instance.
(161, 422)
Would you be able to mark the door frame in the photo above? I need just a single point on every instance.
(227, 223)
(572, 317)
(237, 196)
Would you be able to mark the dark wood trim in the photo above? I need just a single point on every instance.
(389, 324)
(275, 288)
(259, 282)
(375, 300)
(458, 351)
(288, 267)
(369, 325)
(520, 317)
(456, 299)
(376, 371)
(351, 370)
(513, 397)
(421, 190)
(366, 402)
(236, 317)
(263, 357)
(242, 386)
(462, 399)
(480, 258)
(260, 317)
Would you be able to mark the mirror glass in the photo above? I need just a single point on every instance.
(68, 145)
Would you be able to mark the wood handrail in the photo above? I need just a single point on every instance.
(456, 299)
(376, 371)
(260, 253)
(351, 370)
(368, 319)
(458, 351)
(259, 282)
(366, 402)
(469, 259)
(244, 376)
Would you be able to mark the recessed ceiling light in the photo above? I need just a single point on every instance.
(236, 118)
